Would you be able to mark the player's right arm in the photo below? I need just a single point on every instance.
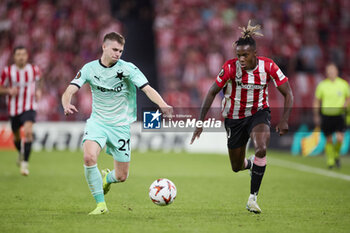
(220, 82)
(12, 91)
(317, 105)
(66, 99)
(79, 80)
(209, 98)
(215, 88)
(316, 112)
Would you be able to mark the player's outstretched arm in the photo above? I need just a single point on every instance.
(316, 112)
(39, 88)
(154, 96)
(286, 91)
(12, 91)
(66, 99)
(209, 98)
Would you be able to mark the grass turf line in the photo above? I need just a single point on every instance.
(211, 198)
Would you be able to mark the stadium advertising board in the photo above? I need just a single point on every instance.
(68, 135)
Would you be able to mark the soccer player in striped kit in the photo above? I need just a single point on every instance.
(246, 110)
(18, 81)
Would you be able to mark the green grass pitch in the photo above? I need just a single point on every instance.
(210, 198)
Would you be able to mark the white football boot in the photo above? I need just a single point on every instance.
(24, 168)
(252, 205)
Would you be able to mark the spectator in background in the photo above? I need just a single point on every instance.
(298, 36)
(18, 82)
(52, 28)
(331, 98)
(57, 34)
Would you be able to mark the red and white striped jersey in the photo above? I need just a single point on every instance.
(245, 91)
(24, 79)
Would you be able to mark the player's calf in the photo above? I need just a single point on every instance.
(247, 164)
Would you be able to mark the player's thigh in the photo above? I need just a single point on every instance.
(27, 119)
(118, 143)
(237, 138)
(237, 134)
(339, 136)
(28, 129)
(340, 128)
(259, 131)
(15, 126)
(94, 140)
(329, 125)
(121, 170)
(96, 132)
(91, 151)
(260, 136)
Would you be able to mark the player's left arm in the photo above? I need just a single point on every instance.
(39, 83)
(347, 96)
(286, 91)
(282, 84)
(155, 97)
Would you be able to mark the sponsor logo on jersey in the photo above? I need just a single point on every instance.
(250, 86)
(116, 89)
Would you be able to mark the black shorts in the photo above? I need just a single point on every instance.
(332, 124)
(238, 130)
(18, 121)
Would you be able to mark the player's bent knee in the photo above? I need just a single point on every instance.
(236, 169)
(89, 159)
(28, 133)
(122, 178)
(260, 151)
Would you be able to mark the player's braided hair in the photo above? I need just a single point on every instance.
(247, 35)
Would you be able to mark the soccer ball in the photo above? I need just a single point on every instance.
(162, 192)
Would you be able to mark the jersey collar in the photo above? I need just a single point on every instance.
(99, 61)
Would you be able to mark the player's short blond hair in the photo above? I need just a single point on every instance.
(115, 36)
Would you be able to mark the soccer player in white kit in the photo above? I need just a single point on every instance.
(113, 85)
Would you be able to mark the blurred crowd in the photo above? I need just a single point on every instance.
(193, 38)
(61, 36)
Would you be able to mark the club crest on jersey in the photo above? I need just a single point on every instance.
(78, 75)
(120, 75)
